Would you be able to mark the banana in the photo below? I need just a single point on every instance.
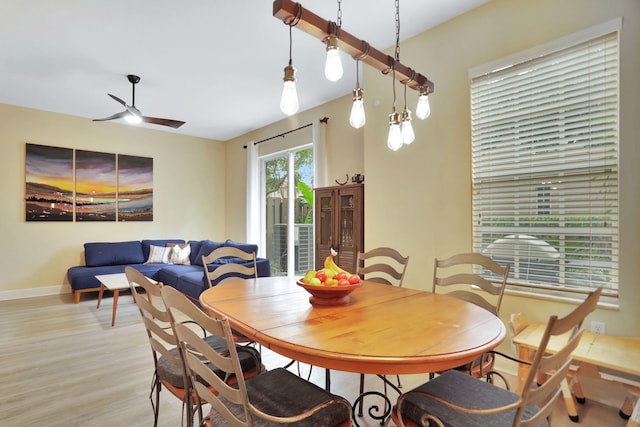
(329, 263)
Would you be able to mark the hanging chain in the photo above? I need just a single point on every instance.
(290, 43)
(397, 30)
(339, 20)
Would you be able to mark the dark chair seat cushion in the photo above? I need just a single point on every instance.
(466, 391)
(172, 374)
(282, 393)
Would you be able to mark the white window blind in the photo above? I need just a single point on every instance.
(545, 167)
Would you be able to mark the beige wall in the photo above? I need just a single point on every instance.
(419, 198)
(37, 254)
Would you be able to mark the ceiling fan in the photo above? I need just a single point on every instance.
(133, 115)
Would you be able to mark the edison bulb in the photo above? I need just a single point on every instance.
(333, 65)
(357, 119)
(289, 100)
(394, 139)
(408, 135)
(423, 110)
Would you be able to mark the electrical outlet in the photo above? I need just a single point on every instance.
(598, 327)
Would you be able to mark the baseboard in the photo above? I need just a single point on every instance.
(34, 292)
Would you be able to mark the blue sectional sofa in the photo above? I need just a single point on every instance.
(184, 273)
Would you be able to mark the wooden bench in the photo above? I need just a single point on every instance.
(617, 354)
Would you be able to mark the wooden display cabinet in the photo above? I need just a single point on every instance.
(339, 223)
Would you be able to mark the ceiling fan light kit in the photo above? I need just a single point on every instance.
(293, 14)
(132, 115)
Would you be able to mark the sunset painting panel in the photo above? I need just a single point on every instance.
(95, 186)
(48, 183)
(135, 188)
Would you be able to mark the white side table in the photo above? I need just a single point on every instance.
(114, 282)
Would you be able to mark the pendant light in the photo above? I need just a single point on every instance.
(408, 136)
(333, 65)
(394, 139)
(289, 100)
(357, 118)
(423, 110)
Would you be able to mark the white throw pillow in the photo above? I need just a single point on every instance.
(180, 255)
(158, 255)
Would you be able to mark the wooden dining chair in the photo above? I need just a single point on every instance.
(478, 279)
(274, 397)
(456, 399)
(518, 322)
(169, 367)
(229, 262)
(383, 265)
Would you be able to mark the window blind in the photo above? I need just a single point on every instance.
(545, 167)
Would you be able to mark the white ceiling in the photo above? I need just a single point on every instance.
(218, 65)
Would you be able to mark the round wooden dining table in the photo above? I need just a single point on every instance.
(382, 330)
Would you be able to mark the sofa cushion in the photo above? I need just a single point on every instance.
(99, 254)
(188, 279)
(159, 254)
(206, 247)
(245, 247)
(146, 244)
(195, 250)
(180, 254)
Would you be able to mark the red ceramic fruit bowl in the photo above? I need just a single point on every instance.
(329, 295)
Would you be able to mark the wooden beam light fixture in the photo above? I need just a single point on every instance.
(312, 24)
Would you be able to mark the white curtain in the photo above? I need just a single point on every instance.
(253, 198)
(320, 178)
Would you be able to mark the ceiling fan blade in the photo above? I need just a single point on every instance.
(118, 100)
(115, 116)
(164, 122)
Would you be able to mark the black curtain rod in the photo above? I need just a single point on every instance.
(322, 120)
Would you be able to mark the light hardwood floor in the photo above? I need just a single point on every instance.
(62, 364)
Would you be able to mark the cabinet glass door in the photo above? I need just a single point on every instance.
(326, 220)
(346, 220)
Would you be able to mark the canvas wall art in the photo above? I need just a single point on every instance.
(95, 186)
(48, 183)
(135, 188)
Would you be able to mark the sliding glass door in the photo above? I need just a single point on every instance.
(288, 206)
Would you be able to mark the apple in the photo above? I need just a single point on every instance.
(343, 282)
(315, 281)
(322, 276)
(342, 275)
(354, 279)
(310, 275)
